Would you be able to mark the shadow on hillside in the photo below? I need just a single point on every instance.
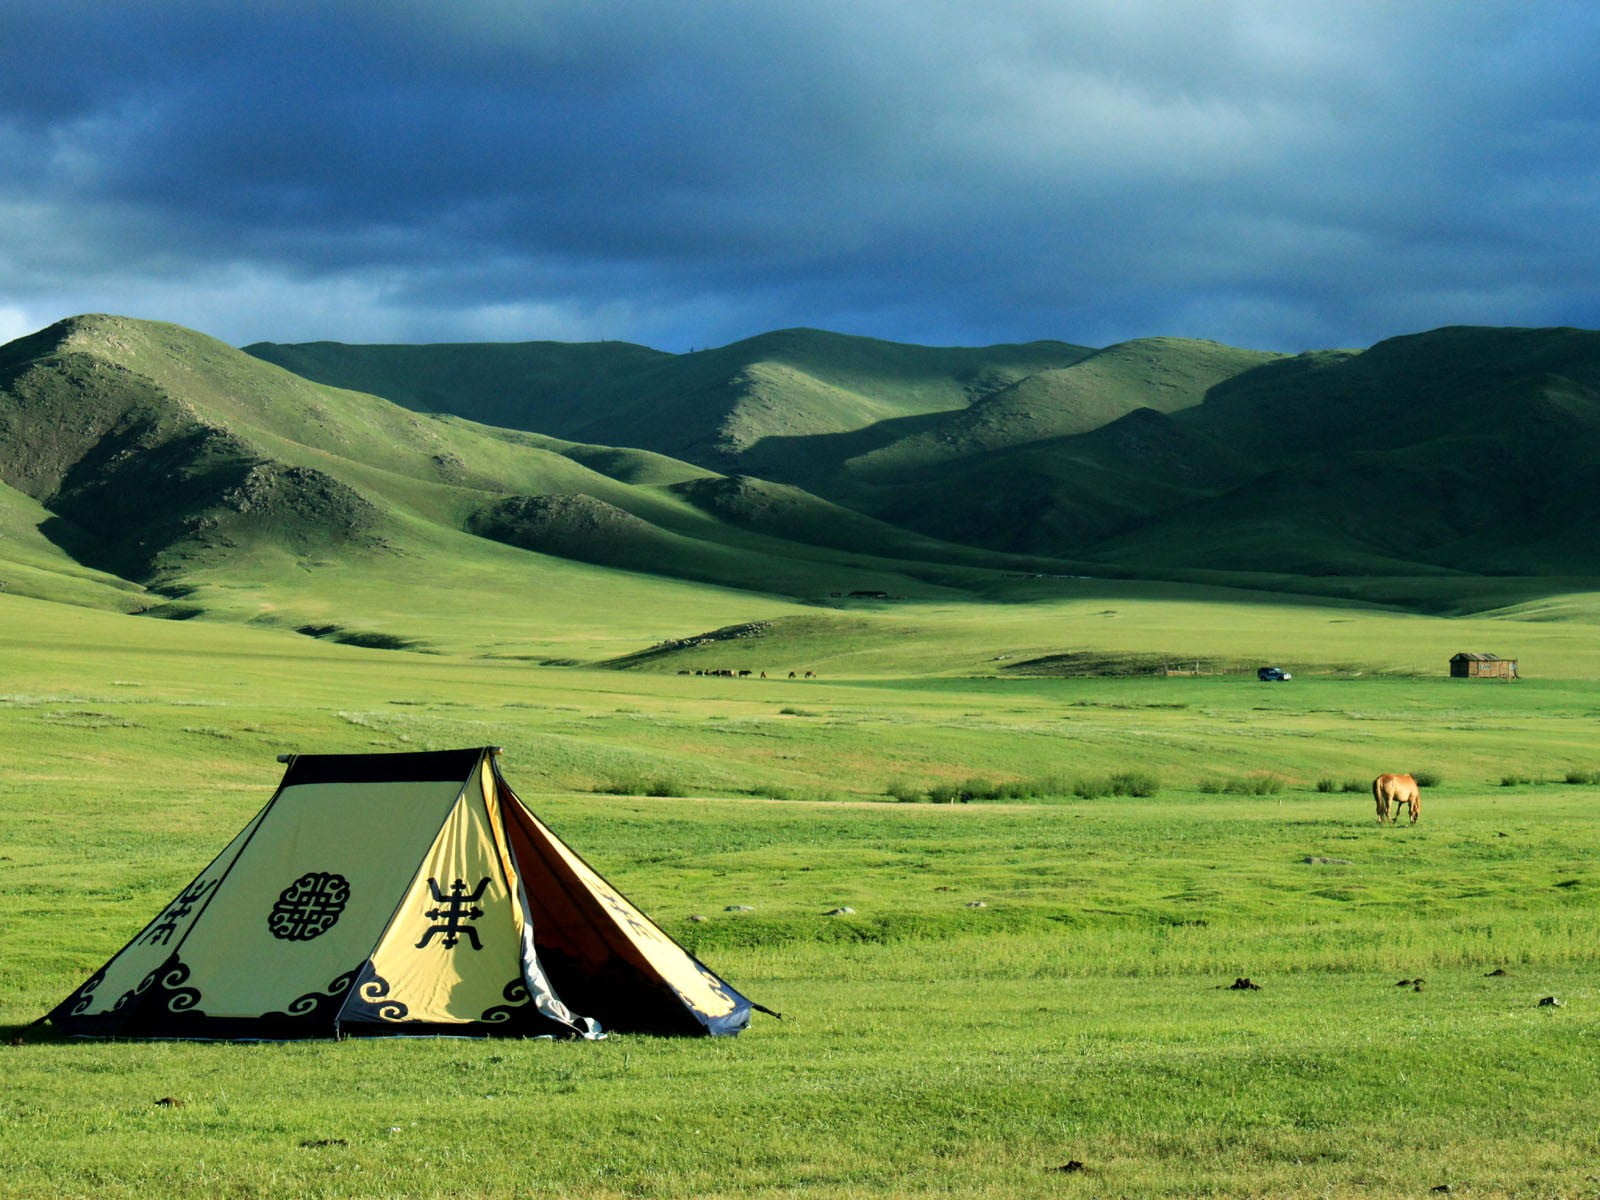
(76, 543)
(820, 457)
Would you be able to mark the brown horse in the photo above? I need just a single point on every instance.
(1392, 791)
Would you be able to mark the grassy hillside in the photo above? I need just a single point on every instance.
(31, 564)
(209, 481)
(877, 427)
(1063, 496)
(1466, 449)
(711, 406)
(552, 387)
(1403, 390)
(1471, 449)
(151, 466)
(1159, 374)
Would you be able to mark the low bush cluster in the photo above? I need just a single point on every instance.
(812, 795)
(1042, 787)
(904, 792)
(1120, 783)
(1579, 775)
(1349, 785)
(1241, 785)
(640, 785)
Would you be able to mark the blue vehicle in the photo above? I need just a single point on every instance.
(1273, 675)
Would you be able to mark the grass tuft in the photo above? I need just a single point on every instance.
(641, 785)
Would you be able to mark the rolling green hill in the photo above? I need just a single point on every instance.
(715, 407)
(1466, 449)
(148, 467)
(554, 387)
(908, 435)
(1159, 374)
(1082, 450)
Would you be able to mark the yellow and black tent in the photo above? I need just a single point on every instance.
(399, 894)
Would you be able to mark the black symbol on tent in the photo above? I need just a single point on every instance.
(161, 932)
(455, 910)
(309, 906)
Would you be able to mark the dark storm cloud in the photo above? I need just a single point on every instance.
(1281, 175)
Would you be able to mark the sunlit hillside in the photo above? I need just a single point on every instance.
(149, 468)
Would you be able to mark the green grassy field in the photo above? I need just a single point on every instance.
(1022, 984)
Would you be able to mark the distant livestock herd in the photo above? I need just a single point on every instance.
(744, 673)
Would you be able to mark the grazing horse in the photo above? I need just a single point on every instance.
(1391, 791)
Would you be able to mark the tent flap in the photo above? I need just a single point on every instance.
(603, 955)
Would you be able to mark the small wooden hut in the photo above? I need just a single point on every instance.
(1482, 666)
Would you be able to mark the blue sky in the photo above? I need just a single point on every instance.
(686, 173)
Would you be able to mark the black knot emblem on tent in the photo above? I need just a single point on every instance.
(450, 912)
(309, 907)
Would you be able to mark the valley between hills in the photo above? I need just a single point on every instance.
(588, 502)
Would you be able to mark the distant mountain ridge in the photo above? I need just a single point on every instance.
(798, 458)
(1460, 448)
(164, 457)
(710, 407)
